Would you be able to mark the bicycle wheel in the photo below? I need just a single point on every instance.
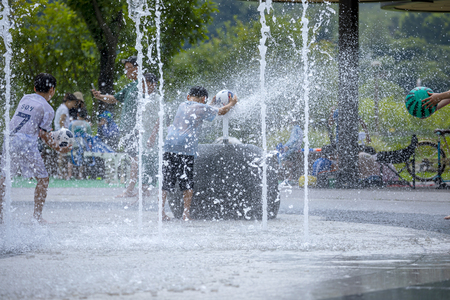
(426, 163)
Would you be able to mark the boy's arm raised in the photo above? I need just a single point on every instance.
(226, 108)
(105, 98)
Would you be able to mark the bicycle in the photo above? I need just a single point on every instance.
(431, 160)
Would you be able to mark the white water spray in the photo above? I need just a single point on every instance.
(160, 114)
(136, 8)
(305, 85)
(7, 40)
(225, 125)
(139, 12)
(265, 30)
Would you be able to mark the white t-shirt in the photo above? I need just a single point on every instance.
(32, 114)
(62, 110)
(182, 137)
(150, 115)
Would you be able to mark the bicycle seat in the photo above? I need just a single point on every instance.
(442, 131)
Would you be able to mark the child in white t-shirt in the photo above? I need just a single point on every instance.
(32, 119)
(181, 144)
(62, 119)
(80, 127)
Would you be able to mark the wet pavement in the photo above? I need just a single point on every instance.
(422, 209)
(362, 244)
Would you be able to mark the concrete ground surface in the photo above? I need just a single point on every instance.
(361, 244)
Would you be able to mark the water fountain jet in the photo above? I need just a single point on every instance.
(7, 40)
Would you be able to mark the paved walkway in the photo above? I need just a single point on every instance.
(361, 244)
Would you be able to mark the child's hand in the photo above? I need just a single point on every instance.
(64, 149)
(96, 94)
(233, 100)
(431, 101)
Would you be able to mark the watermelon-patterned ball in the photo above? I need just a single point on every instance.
(413, 103)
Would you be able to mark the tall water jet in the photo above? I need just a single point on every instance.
(136, 10)
(265, 30)
(305, 85)
(225, 128)
(7, 40)
(161, 112)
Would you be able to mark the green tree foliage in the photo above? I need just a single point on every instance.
(395, 119)
(49, 37)
(221, 55)
(80, 42)
(228, 12)
(230, 59)
(105, 22)
(412, 48)
(432, 27)
(115, 34)
(413, 45)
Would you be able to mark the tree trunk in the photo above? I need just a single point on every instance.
(106, 76)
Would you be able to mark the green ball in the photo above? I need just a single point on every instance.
(413, 103)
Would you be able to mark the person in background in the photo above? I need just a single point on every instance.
(73, 112)
(150, 119)
(129, 97)
(290, 156)
(62, 120)
(107, 130)
(62, 116)
(80, 127)
(32, 118)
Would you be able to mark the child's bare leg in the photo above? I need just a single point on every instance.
(145, 193)
(447, 217)
(133, 178)
(187, 197)
(164, 216)
(40, 194)
(60, 170)
(80, 172)
(69, 170)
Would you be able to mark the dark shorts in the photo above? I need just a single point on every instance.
(178, 167)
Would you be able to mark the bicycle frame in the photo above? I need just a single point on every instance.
(438, 179)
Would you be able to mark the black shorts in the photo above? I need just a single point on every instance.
(178, 167)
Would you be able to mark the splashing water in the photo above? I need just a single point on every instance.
(160, 114)
(7, 39)
(306, 44)
(225, 125)
(265, 30)
(305, 86)
(136, 11)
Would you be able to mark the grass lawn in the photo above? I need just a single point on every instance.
(19, 182)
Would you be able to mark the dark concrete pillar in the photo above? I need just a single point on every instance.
(347, 147)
